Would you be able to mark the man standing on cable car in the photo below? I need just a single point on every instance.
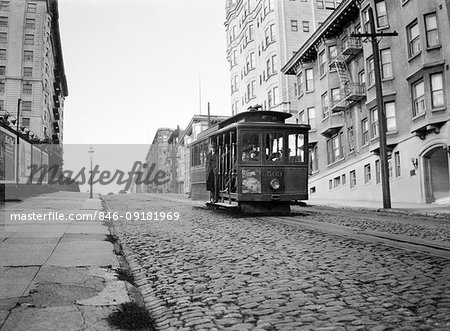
(212, 169)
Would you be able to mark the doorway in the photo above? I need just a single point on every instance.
(436, 174)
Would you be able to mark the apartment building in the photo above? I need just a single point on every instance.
(336, 96)
(157, 160)
(262, 35)
(32, 73)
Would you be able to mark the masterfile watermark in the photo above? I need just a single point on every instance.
(140, 173)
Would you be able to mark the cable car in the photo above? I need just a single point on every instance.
(253, 161)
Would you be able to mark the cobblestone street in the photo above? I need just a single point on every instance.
(214, 270)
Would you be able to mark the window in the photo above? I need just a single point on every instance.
(2, 54)
(361, 77)
(294, 25)
(27, 72)
(270, 34)
(335, 95)
(320, 4)
(391, 122)
(296, 147)
(344, 180)
(397, 164)
(337, 181)
(3, 21)
(365, 131)
(250, 62)
(382, 20)
(386, 63)
(330, 184)
(29, 39)
(374, 122)
(276, 96)
(332, 52)
(26, 105)
(377, 172)
(351, 138)
(27, 88)
(437, 90)
(313, 159)
(4, 5)
(367, 174)
(418, 94)
(312, 117)
(309, 80)
(431, 29)
(413, 39)
(305, 26)
(274, 146)
(234, 83)
(334, 148)
(3, 37)
(28, 55)
(30, 23)
(322, 62)
(329, 4)
(32, 7)
(2, 87)
(352, 178)
(324, 103)
(251, 90)
(233, 58)
(300, 83)
(271, 64)
(370, 71)
(2, 70)
(366, 21)
(25, 121)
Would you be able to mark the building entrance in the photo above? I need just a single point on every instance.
(436, 174)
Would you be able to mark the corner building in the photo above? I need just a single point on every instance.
(337, 97)
(31, 66)
(262, 35)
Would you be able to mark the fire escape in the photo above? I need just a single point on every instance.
(350, 92)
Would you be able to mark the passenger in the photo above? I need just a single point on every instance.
(212, 169)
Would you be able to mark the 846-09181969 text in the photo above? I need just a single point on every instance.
(139, 215)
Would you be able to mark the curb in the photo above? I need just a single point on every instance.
(401, 212)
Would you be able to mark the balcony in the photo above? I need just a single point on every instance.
(56, 100)
(55, 127)
(351, 48)
(55, 138)
(354, 92)
(338, 103)
(57, 88)
(332, 124)
(56, 114)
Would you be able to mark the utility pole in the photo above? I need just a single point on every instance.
(380, 106)
(19, 102)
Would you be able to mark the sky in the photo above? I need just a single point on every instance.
(134, 66)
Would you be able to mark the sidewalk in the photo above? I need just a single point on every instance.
(57, 274)
(412, 209)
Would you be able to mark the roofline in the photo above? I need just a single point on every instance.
(290, 66)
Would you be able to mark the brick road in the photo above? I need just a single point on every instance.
(216, 271)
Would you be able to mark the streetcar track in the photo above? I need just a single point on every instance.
(375, 237)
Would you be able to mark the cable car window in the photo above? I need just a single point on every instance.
(251, 147)
(296, 147)
(274, 146)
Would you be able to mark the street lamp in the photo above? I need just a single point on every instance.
(91, 154)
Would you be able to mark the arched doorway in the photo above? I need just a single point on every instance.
(436, 174)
